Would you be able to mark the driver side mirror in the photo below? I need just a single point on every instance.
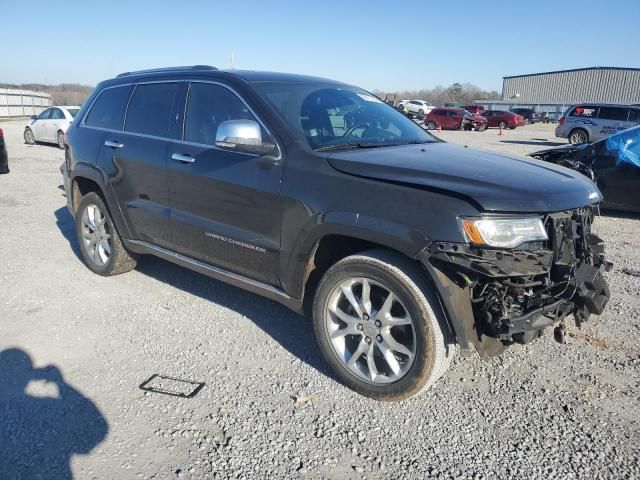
(242, 136)
(34, 117)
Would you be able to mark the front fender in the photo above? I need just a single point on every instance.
(295, 261)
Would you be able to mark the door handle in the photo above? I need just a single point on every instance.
(111, 144)
(183, 158)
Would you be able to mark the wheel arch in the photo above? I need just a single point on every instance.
(337, 235)
(87, 178)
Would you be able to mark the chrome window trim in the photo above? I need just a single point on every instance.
(189, 81)
(126, 108)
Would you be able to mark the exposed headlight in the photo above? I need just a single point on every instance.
(505, 232)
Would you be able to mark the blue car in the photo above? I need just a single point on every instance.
(612, 163)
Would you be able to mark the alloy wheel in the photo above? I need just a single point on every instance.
(578, 138)
(29, 137)
(96, 237)
(370, 330)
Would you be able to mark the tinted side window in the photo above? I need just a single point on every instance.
(634, 115)
(57, 114)
(45, 114)
(590, 112)
(208, 106)
(108, 109)
(441, 113)
(150, 108)
(613, 113)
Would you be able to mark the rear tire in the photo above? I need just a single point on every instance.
(502, 124)
(100, 244)
(578, 136)
(400, 350)
(29, 137)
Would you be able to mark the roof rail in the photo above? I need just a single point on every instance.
(167, 69)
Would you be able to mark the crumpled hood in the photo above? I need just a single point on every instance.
(495, 181)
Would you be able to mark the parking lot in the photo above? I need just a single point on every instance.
(270, 408)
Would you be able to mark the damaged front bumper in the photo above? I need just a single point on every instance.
(494, 297)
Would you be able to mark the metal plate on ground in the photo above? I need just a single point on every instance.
(171, 386)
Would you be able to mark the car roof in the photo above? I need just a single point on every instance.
(595, 104)
(66, 107)
(249, 76)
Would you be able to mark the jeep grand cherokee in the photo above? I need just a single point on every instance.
(316, 194)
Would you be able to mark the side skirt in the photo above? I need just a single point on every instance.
(226, 276)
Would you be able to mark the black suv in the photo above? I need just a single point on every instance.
(4, 158)
(529, 114)
(320, 196)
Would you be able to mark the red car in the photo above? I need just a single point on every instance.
(502, 119)
(475, 109)
(449, 118)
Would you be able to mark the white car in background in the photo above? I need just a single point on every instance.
(50, 126)
(421, 107)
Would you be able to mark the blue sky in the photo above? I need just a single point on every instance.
(376, 44)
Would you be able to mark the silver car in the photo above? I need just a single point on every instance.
(586, 123)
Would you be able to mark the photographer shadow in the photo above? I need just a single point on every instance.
(39, 432)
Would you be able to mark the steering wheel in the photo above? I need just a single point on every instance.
(354, 128)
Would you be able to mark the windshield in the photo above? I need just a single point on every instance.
(73, 111)
(331, 116)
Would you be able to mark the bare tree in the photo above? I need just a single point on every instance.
(465, 93)
(63, 94)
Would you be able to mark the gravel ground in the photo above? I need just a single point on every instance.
(269, 407)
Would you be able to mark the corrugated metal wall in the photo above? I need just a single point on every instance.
(22, 103)
(604, 85)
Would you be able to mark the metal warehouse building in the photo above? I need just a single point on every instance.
(553, 92)
(595, 84)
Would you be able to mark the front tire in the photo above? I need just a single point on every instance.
(29, 137)
(60, 138)
(431, 125)
(100, 244)
(379, 326)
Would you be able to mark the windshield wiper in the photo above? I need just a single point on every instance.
(418, 142)
(350, 146)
